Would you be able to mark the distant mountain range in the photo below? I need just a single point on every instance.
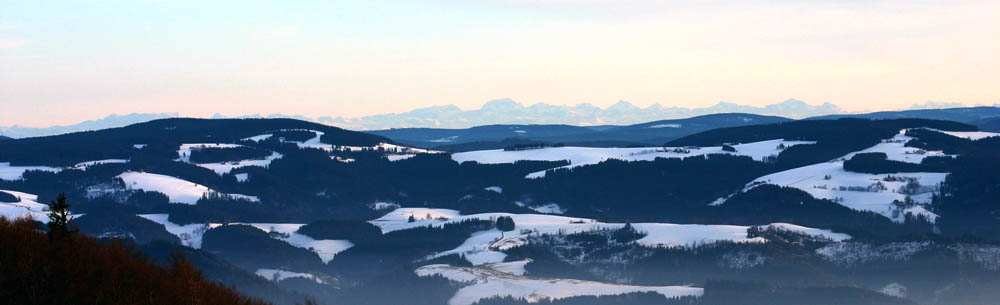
(509, 112)
(110, 121)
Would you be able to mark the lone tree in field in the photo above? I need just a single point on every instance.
(59, 218)
(505, 224)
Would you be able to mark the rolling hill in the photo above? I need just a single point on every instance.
(498, 136)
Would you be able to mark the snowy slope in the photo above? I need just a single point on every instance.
(191, 235)
(28, 206)
(178, 190)
(859, 191)
(826, 234)
(326, 249)
(579, 156)
(484, 247)
(85, 165)
(895, 150)
(184, 152)
(483, 283)
(281, 275)
(222, 168)
(971, 135)
(8, 172)
(866, 192)
(403, 152)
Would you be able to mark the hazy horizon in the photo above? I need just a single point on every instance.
(67, 62)
(670, 112)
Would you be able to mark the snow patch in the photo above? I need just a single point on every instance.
(258, 138)
(485, 246)
(497, 189)
(242, 177)
(971, 135)
(397, 157)
(483, 283)
(178, 190)
(189, 234)
(27, 207)
(550, 208)
(8, 172)
(666, 126)
(579, 156)
(222, 168)
(894, 289)
(326, 249)
(384, 205)
(861, 191)
(275, 275)
(821, 233)
(85, 165)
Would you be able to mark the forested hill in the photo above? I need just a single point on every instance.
(68, 149)
(888, 211)
(961, 114)
(815, 130)
(499, 136)
(75, 269)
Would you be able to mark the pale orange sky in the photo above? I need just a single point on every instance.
(65, 62)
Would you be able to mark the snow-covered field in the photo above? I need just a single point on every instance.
(866, 192)
(326, 249)
(826, 234)
(859, 191)
(184, 152)
(579, 156)
(971, 135)
(401, 152)
(281, 275)
(8, 172)
(85, 165)
(895, 150)
(191, 235)
(481, 283)
(485, 247)
(178, 190)
(549, 208)
(28, 206)
(223, 168)
(397, 157)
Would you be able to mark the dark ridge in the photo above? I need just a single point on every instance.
(78, 270)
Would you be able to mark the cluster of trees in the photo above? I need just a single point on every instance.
(529, 146)
(75, 269)
(217, 154)
(878, 163)
(8, 197)
(635, 298)
(293, 135)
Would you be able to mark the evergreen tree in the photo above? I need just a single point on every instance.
(59, 218)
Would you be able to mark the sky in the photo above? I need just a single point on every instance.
(68, 61)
